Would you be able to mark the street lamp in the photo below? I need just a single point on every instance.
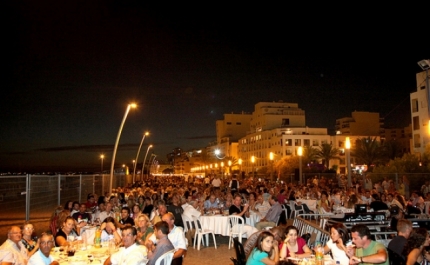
(229, 167)
(425, 65)
(137, 156)
(144, 160)
(348, 160)
(218, 153)
(129, 106)
(300, 153)
(271, 162)
(253, 161)
(101, 167)
(152, 163)
(222, 168)
(240, 164)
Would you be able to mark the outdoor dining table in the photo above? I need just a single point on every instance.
(83, 255)
(219, 223)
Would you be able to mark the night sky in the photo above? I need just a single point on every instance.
(72, 68)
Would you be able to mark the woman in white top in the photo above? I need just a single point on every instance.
(338, 238)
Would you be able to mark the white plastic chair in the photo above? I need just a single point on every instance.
(200, 232)
(294, 211)
(236, 228)
(166, 257)
(188, 224)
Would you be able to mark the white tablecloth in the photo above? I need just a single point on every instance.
(312, 204)
(219, 224)
(82, 256)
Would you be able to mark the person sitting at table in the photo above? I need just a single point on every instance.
(261, 206)
(148, 206)
(211, 203)
(107, 212)
(339, 236)
(42, 256)
(82, 216)
(272, 215)
(130, 253)
(161, 231)
(110, 231)
(91, 202)
(278, 233)
(75, 208)
(67, 229)
(377, 204)
(366, 250)
(158, 211)
(237, 209)
(136, 212)
(323, 204)
(143, 229)
(414, 250)
(14, 247)
(176, 209)
(30, 243)
(294, 246)
(125, 218)
(266, 251)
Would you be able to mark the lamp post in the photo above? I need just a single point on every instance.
(222, 169)
(229, 167)
(152, 163)
(137, 156)
(271, 163)
(253, 161)
(144, 160)
(348, 160)
(300, 153)
(240, 164)
(149, 162)
(129, 106)
(101, 167)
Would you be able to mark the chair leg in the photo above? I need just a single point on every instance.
(207, 240)
(213, 235)
(199, 241)
(229, 242)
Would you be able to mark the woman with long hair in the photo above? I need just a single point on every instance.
(336, 244)
(67, 230)
(143, 229)
(135, 212)
(414, 250)
(68, 205)
(294, 246)
(110, 230)
(31, 243)
(265, 251)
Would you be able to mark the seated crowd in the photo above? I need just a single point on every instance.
(146, 221)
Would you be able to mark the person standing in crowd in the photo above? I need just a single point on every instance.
(234, 184)
(367, 251)
(216, 182)
(42, 256)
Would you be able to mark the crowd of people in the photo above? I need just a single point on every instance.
(146, 219)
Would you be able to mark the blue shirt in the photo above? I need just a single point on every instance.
(256, 256)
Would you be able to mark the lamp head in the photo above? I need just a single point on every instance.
(424, 64)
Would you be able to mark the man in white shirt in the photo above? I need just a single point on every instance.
(130, 253)
(216, 182)
(262, 206)
(42, 256)
(14, 246)
(107, 212)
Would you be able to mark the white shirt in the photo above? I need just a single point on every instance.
(190, 210)
(338, 254)
(133, 255)
(6, 256)
(216, 182)
(263, 208)
(103, 215)
(20, 255)
(39, 258)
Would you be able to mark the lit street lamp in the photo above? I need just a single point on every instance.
(129, 106)
(271, 162)
(101, 167)
(144, 160)
(151, 164)
(300, 153)
(253, 161)
(137, 156)
(218, 153)
(348, 160)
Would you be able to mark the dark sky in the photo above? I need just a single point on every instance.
(72, 68)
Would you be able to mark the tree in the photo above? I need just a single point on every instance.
(369, 151)
(327, 152)
(392, 149)
(310, 154)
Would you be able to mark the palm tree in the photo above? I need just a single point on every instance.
(369, 151)
(310, 154)
(327, 152)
